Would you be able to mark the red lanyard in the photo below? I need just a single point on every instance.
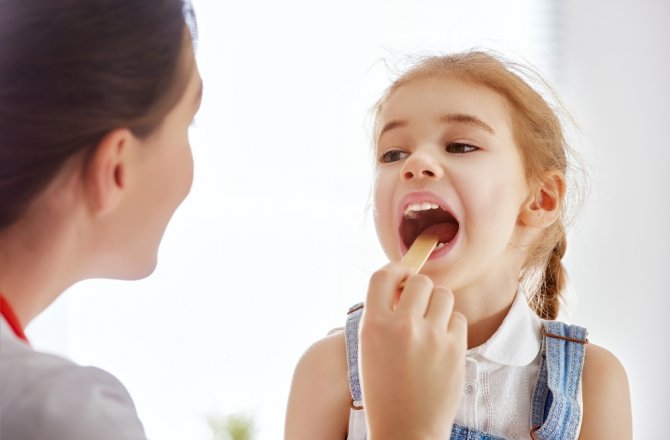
(8, 313)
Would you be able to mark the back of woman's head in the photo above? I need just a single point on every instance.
(542, 145)
(73, 70)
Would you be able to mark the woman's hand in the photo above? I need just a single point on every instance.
(412, 356)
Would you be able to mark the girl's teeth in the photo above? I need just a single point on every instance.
(440, 245)
(413, 208)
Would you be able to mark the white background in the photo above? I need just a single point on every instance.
(275, 242)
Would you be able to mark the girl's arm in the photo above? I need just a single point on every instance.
(318, 405)
(607, 410)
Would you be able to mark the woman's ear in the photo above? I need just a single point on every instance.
(106, 172)
(543, 206)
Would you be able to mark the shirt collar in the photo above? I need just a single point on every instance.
(517, 340)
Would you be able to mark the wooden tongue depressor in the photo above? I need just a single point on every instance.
(418, 253)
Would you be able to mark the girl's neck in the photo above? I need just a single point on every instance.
(485, 306)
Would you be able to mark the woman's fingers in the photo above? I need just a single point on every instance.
(415, 296)
(458, 328)
(412, 356)
(440, 306)
(384, 286)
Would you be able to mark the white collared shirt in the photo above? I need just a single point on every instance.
(500, 376)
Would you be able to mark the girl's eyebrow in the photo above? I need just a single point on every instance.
(458, 118)
(391, 125)
(463, 118)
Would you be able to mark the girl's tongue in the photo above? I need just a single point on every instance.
(446, 231)
(435, 221)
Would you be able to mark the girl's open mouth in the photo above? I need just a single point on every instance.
(427, 218)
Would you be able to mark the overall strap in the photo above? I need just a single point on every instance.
(556, 410)
(459, 432)
(351, 341)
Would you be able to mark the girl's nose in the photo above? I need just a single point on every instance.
(418, 166)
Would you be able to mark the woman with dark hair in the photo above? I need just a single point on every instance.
(96, 97)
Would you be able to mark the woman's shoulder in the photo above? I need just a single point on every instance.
(606, 396)
(25, 368)
(71, 401)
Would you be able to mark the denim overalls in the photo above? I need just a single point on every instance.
(555, 410)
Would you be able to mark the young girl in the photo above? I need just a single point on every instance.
(96, 98)
(468, 151)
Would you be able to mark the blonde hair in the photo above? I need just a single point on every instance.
(538, 132)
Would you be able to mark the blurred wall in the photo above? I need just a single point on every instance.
(616, 68)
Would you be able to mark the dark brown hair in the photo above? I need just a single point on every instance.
(73, 70)
(539, 134)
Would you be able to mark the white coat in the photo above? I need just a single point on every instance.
(45, 397)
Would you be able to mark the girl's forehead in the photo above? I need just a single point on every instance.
(434, 97)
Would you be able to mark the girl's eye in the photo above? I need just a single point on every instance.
(392, 156)
(459, 148)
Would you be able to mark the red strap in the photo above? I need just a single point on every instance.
(8, 313)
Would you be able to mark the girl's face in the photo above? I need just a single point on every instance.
(447, 164)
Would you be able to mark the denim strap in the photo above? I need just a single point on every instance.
(555, 410)
(459, 432)
(351, 342)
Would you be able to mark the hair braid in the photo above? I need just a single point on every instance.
(546, 302)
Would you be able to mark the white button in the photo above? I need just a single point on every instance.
(468, 389)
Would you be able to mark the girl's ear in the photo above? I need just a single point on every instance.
(543, 206)
(106, 172)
